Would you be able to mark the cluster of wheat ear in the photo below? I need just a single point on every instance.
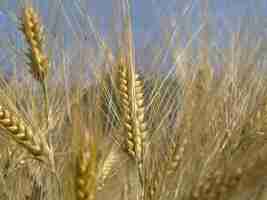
(134, 136)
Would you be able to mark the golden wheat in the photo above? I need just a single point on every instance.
(32, 29)
(131, 90)
(86, 171)
(217, 185)
(132, 101)
(176, 157)
(108, 165)
(22, 133)
(200, 163)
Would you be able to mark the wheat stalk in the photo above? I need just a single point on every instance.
(22, 134)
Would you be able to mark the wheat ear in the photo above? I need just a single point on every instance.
(132, 102)
(22, 133)
(86, 171)
(32, 29)
(107, 167)
(131, 90)
(217, 185)
(176, 157)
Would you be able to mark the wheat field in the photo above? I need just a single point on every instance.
(84, 120)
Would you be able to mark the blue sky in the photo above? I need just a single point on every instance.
(149, 15)
(146, 13)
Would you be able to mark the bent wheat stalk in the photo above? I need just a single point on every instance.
(22, 134)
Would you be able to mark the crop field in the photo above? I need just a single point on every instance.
(90, 114)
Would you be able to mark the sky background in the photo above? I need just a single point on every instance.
(150, 17)
(147, 14)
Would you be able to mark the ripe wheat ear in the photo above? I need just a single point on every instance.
(133, 111)
(86, 170)
(22, 134)
(131, 90)
(32, 29)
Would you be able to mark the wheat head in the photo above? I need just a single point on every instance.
(86, 171)
(132, 100)
(22, 133)
(32, 29)
(133, 111)
(217, 185)
(109, 163)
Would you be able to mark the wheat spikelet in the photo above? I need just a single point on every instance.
(32, 29)
(86, 171)
(22, 133)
